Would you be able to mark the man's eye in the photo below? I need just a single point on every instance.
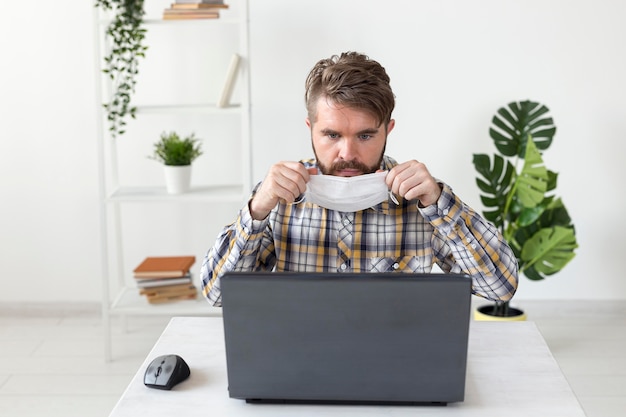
(365, 137)
(333, 135)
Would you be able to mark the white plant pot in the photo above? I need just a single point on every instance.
(177, 178)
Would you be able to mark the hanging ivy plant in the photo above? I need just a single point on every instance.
(126, 34)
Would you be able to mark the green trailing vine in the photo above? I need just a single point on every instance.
(127, 34)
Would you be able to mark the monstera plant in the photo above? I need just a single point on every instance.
(518, 192)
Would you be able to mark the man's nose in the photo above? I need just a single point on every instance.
(348, 150)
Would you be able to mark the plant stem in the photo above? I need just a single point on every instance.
(509, 199)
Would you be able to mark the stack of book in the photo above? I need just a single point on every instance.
(165, 278)
(194, 9)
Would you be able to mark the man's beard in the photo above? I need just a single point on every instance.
(337, 166)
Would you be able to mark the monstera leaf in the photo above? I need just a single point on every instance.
(505, 192)
(513, 124)
(532, 183)
(495, 184)
(548, 251)
(549, 213)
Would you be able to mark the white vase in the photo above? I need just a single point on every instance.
(177, 178)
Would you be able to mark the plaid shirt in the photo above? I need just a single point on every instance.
(385, 238)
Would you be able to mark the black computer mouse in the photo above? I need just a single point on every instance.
(166, 371)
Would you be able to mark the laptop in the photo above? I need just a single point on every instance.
(357, 338)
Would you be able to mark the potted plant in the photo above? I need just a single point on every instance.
(126, 34)
(177, 154)
(518, 195)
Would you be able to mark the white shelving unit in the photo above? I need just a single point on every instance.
(119, 297)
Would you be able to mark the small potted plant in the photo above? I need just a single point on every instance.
(177, 154)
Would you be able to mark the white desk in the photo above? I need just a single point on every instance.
(510, 372)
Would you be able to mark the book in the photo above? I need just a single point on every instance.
(197, 6)
(173, 14)
(185, 11)
(162, 300)
(162, 282)
(199, 1)
(164, 266)
(229, 82)
(172, 293)
(169, 290)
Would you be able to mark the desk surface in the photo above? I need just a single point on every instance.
(510, 372)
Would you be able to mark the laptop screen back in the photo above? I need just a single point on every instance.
(332, 337)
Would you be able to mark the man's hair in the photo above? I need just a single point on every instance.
(352, 80)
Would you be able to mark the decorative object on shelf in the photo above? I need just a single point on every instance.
(229, 81)
(521, 202)
(177, 155)
(194, 10)
(127, 34)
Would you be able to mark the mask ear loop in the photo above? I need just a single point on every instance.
(299, 200)
(393, 198)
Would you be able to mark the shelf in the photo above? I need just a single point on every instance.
(130, 302)
(159, 21)
(114, 184)
(219, 20)
(222, 193)
(188, 108)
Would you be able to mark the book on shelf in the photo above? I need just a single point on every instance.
(164, 267)
(199, 1)
(162, 282)
(194, 10)
(198, 6)
(229, 82)
(174, 14)
(170, 293)
(171, 290)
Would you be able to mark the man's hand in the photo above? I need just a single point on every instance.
(284, 182)
(411, 180)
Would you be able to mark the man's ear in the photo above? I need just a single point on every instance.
(308, 122)
(391, 125)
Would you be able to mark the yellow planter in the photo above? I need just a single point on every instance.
(480, 315)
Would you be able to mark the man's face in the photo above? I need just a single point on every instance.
(347, 141)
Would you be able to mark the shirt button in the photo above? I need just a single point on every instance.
(346, 222)
(396, 266)
(445, 212)
(343, 267)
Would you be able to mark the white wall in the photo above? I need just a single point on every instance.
(452, 64)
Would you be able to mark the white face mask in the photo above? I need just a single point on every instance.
(347, 194)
